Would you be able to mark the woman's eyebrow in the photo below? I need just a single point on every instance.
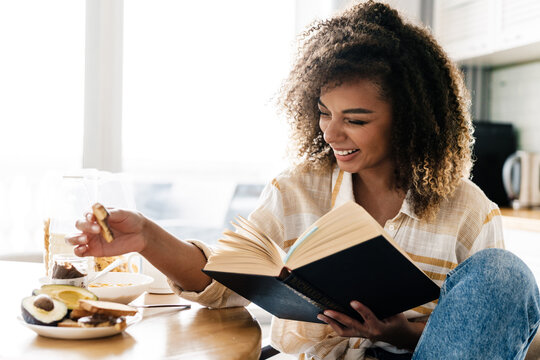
(357, 111)
(350, 111)
(321, 103)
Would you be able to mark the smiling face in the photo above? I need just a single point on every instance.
(356, 123)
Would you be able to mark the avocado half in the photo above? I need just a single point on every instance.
(33, 314)
(68, 294)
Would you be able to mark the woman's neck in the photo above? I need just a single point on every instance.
(376, 192)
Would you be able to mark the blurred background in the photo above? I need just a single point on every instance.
(167, 106)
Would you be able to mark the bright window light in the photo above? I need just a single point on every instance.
(199, 79)
(41, 117)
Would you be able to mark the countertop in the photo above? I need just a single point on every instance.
(523, 219)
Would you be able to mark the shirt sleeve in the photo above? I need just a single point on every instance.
(267, 217)
(269, 214)
(215, 295)
(491, 232)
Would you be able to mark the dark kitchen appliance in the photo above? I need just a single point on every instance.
(494, 143)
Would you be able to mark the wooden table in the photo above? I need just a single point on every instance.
(197, 333)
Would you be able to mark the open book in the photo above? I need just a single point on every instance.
(345, 255)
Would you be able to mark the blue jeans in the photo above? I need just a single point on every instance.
(489, 308)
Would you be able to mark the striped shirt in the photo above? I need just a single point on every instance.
(465, 223)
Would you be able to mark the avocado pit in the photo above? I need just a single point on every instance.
(44, 302)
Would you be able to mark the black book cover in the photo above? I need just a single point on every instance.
(373, 272)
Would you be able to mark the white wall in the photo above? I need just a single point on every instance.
(514, 98)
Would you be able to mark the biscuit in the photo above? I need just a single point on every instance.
(102, 216)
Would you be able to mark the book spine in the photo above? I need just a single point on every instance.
(312, 294)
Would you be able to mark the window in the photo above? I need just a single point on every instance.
(41, 117)
(198, 114)
(198, 111)
(199, 77)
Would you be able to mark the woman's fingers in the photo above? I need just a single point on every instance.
(87, 226)
(338, 328)
(342, 318)
(345, 325)
(80, 250)
(364, 311)
(77, 239)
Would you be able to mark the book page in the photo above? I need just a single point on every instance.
(339, 229)
(246, 251)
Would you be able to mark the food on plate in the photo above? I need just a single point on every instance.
(68, 294)
(78, 313)
(68, 323)
(101, 263)
(94, 313)
(101, 285)
(99, 320)
(102, 216)
(107, 308)
(43, 310)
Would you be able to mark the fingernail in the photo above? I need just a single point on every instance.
(95, 228)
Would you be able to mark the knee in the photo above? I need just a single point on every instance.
(505, 270)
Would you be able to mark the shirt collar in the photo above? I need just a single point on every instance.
(342, 191)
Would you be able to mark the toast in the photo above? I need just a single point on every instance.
(79, 313)
(107, 308)
(95, 313)
(102, 216)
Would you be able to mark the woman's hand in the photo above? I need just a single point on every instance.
(395, 330)
(127, 228)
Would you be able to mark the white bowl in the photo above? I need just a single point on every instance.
(121, 287)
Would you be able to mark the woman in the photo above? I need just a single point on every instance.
(379, 115)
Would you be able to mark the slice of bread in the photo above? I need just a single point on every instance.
(68, 323)
(107, 308)
(79, 313)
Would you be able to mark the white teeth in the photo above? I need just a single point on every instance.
(344, 152)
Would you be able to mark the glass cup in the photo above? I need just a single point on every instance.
(70, 196)
(69, 270)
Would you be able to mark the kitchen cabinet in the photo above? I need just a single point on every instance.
(488, 32)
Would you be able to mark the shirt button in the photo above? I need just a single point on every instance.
(391, 227)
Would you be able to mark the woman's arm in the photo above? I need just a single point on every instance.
(180, 261)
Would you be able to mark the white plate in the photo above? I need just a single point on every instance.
(78, 333)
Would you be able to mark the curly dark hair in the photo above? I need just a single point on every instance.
(431, 130)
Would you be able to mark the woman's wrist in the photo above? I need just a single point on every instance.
(148, 235)
(411, 336)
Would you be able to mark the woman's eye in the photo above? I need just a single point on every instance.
(357, 122)
(323, 113)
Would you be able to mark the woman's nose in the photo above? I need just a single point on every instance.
(333, 131)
